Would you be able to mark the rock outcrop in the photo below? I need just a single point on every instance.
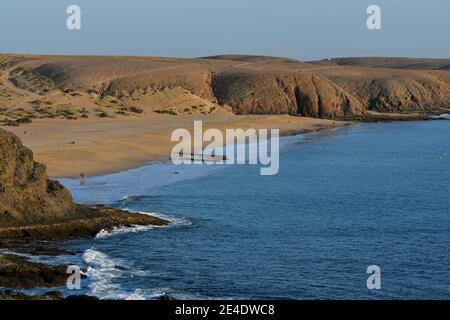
(17, 272)
(32, 205)
(27, 196)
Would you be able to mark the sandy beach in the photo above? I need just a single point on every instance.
(100, 146)
(224, 159)
(100, 115)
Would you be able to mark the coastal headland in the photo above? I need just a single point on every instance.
(100, 115)
(106, 114)
(35, 209)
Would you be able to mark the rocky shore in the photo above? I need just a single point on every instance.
(34, 211)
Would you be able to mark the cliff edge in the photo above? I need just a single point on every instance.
(32, 205)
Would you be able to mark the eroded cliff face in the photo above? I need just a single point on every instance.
(304, 94)
(335, 94)
(393, 90)
(27, 196)
(399, 94)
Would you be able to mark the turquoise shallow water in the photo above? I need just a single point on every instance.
(363, 195)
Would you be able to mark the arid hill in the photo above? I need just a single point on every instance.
(77, 87)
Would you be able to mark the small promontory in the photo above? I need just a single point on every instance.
(32, 205)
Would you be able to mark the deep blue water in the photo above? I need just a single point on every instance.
(364, 195)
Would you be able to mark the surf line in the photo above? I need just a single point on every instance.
(263, 149)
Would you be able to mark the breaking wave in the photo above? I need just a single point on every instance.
(173, 222)
(444, 116)
(103, 270)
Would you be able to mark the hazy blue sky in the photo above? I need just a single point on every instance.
(302, 29)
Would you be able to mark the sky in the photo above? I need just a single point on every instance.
(299, 29)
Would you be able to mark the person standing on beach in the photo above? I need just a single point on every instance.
(82, 179)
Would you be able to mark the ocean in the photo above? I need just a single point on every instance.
(343, 200)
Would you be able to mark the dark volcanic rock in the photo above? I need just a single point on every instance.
(17, 272)
(31, 246)
(52, 295)
(90, 221)
(9, 295)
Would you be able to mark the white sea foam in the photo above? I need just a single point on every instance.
(122, 230)
(174, 222)
(46, 259)
(103, 270)
(156, 293)
(442, 116)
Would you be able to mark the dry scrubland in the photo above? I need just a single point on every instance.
(102, 114)
(33, 87)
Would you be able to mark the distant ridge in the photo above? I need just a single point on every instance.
(250, 58)
(388, 62)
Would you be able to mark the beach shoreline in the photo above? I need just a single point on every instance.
(39, 242)
(103, 146)
(325, 135)
(51, 294)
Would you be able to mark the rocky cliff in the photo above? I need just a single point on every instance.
(32, 205)
(27, 196)
(304, 94)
